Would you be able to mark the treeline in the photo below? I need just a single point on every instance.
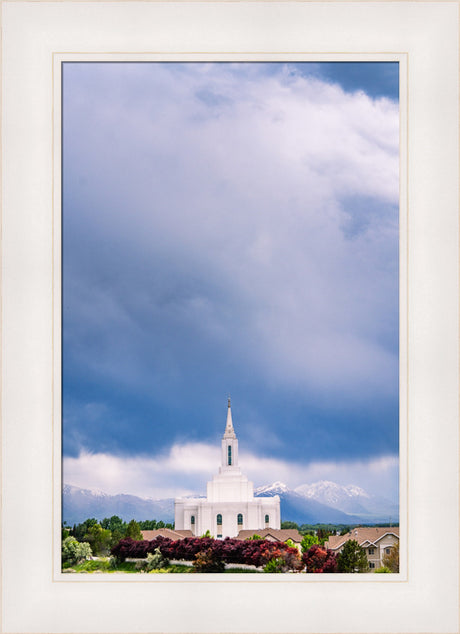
(323, 531)
(103, 535)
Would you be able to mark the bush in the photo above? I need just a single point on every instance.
(318, 559)
(113, 562)
(308, 541)
(382, 569)
(92, 565)
(73, 551)
(154, 561)
(208, 561)
(276, 564)
(253, 552)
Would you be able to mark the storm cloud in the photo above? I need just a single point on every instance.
(229, 228)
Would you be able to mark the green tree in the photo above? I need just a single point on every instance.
(391, 560)
(323, 535)
(79, 531)
(116, 526)
(113, 523)
(73, 551)
(352, 558)
(133, 530)
(148, 525)
(308, 541)
(289, 525)
(100, 539)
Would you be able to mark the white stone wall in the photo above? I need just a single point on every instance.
(205, 512)
(229, 487)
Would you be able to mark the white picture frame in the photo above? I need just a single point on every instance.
(423, 37)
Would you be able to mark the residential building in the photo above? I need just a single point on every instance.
(376, 542)
(165, 532)
(275, 535)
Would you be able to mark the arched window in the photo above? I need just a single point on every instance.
(229, 460)
(219, 519)
(192, 520)
(240, 519)
(267, 519)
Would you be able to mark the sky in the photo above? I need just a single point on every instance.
(230, 229)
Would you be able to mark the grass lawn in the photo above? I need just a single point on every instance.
(101, 565)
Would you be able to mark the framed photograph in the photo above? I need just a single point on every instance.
(188, 265)
(230, 253)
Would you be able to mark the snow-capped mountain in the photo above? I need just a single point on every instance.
(330, 502)
(350, 499)
(277, 488)
(297, 508)
(320, 502)
(330, 492)
(80, 504)
(69, 489)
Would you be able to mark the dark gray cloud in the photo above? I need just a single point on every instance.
(229, 228)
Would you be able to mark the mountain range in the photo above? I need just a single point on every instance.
(328, 502)
(321, 502)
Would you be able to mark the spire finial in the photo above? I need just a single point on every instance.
(229, 431)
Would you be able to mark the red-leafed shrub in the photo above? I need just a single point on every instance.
(208, 561)
(253, 552)
(319, 559)
(330, 565)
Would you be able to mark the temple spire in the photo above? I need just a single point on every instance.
(229, 431)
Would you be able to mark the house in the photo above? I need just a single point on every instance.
(166, 532)
(230, 505)
(275, 535)
(376, 541)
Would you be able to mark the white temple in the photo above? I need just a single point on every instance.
(230, 505)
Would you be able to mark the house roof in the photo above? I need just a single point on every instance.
(278, 534)
(364, 535)
(166, 532)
